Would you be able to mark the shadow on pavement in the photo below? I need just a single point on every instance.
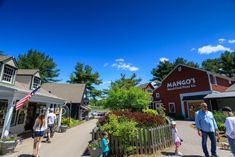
(168, 153)
(25, 155)
(192, 156)
(173, 154)
(86, 153)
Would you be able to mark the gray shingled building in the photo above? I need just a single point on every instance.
(75, 96)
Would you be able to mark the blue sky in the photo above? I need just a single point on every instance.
(117, 36)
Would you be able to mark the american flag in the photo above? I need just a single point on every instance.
(20, 103)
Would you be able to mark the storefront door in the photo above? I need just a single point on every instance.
(33, 111)
(193, 106)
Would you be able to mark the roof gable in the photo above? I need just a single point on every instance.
(31, 72)
(216, 74)
(9, 60)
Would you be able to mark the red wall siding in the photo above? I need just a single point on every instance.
(166, 96)
(223, 82)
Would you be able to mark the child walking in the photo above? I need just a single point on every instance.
(105, 144)
(176, 139)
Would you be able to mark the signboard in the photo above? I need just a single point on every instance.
(186, 83)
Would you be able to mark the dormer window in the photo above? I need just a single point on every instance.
(36, 82)
(8, 74)
(213, 79)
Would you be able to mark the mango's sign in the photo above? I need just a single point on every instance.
(187, 83)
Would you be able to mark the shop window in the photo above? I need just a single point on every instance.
(3, 110)
(8, 74)
(155, 106)
(152, 106)
(21, 118)
(14, 117)
(172, 107)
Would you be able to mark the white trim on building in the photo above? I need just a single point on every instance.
(190, 94)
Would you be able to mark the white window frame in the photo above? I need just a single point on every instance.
(169, 105)
(38, 84)
(157, 95)
(155, 105)
(12, 76)
(214, 81)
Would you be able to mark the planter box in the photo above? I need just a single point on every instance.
(95, 152)
(7, 146)
(63, 128)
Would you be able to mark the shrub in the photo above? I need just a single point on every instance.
(221, 126)
(70, 122)
(219, 117)
(121, 128)
(142, 119)
(151, 112)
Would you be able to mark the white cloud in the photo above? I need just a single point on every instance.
(119, 60)
(121, 65)
(106, 64)
(221, 40)
(208, 49)
(106, 83)
(164, 59)
(231, 41)
(193, 49)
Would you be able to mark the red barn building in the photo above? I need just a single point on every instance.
(184, 88)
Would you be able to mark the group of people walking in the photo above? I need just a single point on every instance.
(207, 127)
(42, 127)
(204, 122)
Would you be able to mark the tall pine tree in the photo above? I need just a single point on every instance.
(34, 59)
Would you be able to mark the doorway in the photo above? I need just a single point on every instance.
(33, 111)
(193, 106)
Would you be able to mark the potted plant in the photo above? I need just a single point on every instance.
(7, 145)
(94, 149)
(65, 122)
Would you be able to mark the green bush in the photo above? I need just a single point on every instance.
(221, 126)
(150, 111)
(70, 122)
(219, 117)
(121, 128)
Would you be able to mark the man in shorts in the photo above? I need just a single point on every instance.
(51, 119)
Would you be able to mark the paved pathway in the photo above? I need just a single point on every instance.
(191, 146)
(73, 143)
